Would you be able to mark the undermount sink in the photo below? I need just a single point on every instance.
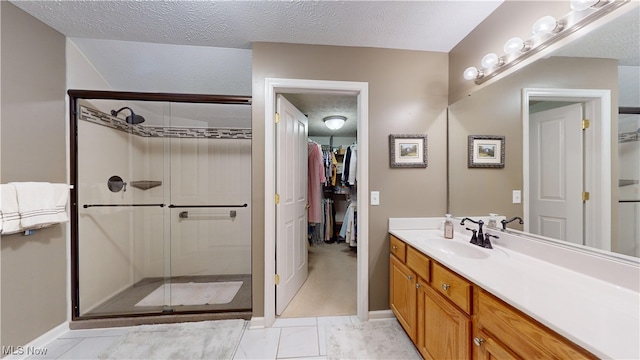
(453, 248)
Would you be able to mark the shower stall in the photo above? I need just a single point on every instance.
(161, 204)
(629, 187)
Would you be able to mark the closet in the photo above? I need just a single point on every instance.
(333, 204)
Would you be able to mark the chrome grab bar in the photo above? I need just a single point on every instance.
(185, 214)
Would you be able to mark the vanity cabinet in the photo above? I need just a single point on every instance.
(448, 317)
(403, 295)
(504, 332)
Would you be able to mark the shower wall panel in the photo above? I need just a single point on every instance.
(210, 172)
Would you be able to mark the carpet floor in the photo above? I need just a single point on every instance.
(331, 288)
(202, 340)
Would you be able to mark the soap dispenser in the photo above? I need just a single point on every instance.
(448, 227)
(493, 222)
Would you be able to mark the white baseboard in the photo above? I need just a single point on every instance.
(381, 314)
(256, 323)
(39, 344)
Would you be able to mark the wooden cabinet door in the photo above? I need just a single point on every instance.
(444, 332)
(403, 295)
(491, 349)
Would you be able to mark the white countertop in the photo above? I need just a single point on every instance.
(602, 317)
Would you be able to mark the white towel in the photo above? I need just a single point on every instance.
(9, 207)
(41, 204)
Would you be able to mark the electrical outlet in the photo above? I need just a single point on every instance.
(517, 196)
(375, 198)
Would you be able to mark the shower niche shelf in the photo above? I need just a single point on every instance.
(145, 184)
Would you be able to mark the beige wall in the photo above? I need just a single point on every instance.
(34, 290)
(407, 95)
(496, 110)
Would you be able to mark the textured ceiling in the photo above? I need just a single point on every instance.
(412, 25)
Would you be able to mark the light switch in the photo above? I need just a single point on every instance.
(517, 196)
(375, 198)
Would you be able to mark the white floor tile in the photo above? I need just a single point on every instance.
(323, 322)
(258, 344)
(300, 341)
(285, 322)
(89, 348)
(56, 348)
(87, 333)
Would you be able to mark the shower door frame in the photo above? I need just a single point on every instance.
(74, 96)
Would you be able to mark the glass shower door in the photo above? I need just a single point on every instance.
(629, 188)
(163, 214)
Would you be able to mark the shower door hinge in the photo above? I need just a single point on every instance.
(585, 124)
(277, 199)
(277, 279)
(277, 118)
(585, 196)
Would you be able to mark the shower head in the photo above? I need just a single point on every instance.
(131, 119)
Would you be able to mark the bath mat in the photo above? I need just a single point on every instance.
(193, 294)
(376, 339)
(198, 340)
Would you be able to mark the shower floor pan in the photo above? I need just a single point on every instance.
(124, 304)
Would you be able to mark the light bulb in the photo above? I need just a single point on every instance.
(580, 5)
(514, 45)
(490, 60)
(545, 25)
(472, 73)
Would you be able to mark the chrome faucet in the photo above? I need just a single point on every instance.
(479, 238)
(505, 222)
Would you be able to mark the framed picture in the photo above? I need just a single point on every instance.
(486, 151)
(408, 151)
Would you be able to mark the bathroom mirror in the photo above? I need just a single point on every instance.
(607, 58)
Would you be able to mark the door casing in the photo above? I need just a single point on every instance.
(598, 157)
(273, 86)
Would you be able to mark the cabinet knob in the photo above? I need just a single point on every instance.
(410, 277)
(417, 286)
(394, 248)
(445, 287)
(478, 341)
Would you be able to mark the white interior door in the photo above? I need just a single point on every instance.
(291, 212)
(556, 173)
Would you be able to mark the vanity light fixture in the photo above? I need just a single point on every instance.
(334, 122)
(516, 45)
(581, 5)
(546, 31)
(547, 25)
(491, 60)
(472, 73)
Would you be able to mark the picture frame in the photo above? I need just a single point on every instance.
(486, 151)
(408, 150)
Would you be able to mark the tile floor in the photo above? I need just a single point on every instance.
(289, 338)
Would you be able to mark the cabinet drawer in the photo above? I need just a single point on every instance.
(523, 335)
(419, 263)
(452, 286)
(398, 248)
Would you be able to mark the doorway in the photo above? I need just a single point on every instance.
(360, 90)
(596, 218)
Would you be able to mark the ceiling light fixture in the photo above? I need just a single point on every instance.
(334, 122)
(546, 31)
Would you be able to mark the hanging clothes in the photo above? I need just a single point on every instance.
(353, 165)
(316, 177)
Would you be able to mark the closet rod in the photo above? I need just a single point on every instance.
(119, 205)
(206, 206)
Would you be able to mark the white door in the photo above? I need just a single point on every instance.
(291, 211)
(556, 173)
